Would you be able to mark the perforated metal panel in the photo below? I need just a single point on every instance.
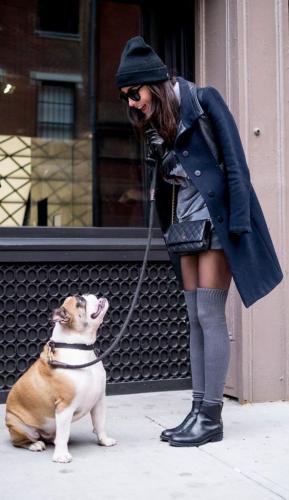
(155, 346)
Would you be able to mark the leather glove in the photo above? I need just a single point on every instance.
(156, 143)
(158, 150)
(168, 163)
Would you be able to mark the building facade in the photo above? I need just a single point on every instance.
(74, 186)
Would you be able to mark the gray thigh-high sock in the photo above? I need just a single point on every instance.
(211, 304)
(196, 346)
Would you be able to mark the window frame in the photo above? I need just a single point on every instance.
(43, 244)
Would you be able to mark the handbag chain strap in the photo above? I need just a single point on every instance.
(173, 203)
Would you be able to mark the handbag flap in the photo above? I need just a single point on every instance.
(188, 231)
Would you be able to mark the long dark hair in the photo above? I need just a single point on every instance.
(164, 112)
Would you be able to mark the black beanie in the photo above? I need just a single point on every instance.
(139, 64)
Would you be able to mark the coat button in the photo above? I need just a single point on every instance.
(197, 173)
(220, 218)
(211, 193)
(185, 153)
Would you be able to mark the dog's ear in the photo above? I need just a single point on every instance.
(61, 315)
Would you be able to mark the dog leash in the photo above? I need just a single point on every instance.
(52, 345)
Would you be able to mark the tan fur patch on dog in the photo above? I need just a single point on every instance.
(38, 394)
(70, 304)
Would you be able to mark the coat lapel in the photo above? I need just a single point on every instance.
(190, 109)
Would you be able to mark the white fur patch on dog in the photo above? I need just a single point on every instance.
(38, 446)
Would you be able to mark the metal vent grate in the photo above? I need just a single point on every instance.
(155, 346)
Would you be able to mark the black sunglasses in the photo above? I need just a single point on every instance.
(132, 93)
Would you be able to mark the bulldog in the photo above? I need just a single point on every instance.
(45, 400)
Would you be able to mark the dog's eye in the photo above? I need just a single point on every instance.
(81, 302)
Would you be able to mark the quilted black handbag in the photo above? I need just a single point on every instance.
(187, 237)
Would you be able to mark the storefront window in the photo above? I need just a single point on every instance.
(68, 155)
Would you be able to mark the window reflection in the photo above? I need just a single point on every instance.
(55, 111)
(120, 166)
(68, 156)
(58, 16)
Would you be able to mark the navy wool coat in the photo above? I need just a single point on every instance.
(223, 179)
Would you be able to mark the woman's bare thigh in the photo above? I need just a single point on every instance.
(189, 268)
(213, 270)
(209, 269)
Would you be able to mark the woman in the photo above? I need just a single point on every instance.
(192, 134)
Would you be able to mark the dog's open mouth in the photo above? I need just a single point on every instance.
(100, 306)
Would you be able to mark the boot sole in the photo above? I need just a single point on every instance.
(213, 439)
(163, 438)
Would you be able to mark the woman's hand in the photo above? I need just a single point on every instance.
(156, 143)
(158, 149)
(168, 162)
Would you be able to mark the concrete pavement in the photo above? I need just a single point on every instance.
(251, 463)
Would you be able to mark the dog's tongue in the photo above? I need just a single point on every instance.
(99, 307)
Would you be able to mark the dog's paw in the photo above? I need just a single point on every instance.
(62, 457)
(37, 446)
(106, 441)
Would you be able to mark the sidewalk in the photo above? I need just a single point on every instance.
(251, 463)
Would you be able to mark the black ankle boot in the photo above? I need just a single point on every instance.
(190, 418)
(208, 426)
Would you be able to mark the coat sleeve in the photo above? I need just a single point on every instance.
(237, 172)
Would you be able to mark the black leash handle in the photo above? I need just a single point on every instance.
(59, 364)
